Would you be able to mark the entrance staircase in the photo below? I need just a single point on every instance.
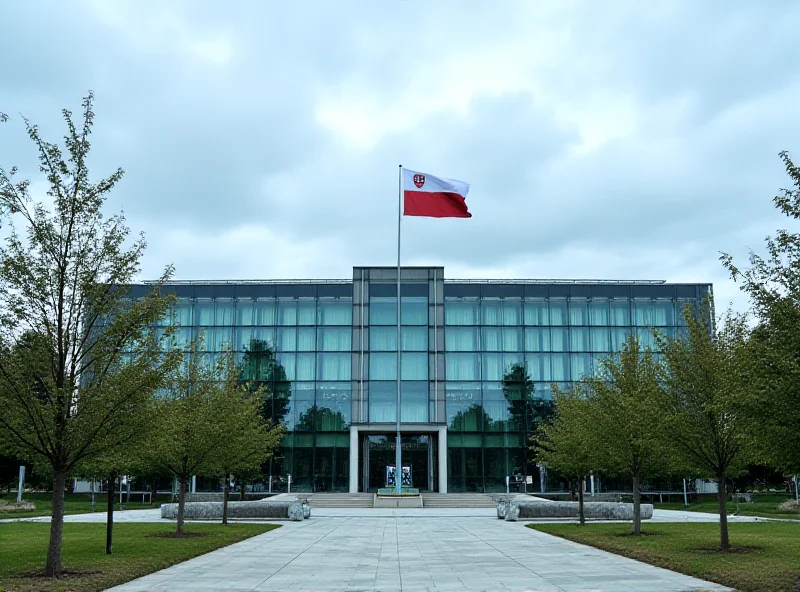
(341, 500)
(457, 500)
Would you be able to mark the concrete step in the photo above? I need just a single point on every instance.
(342, 500)
(457, 500)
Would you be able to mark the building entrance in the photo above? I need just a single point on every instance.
(378, 461)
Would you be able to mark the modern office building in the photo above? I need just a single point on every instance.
(478, 357)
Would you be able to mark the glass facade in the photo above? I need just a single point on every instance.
(477, 360)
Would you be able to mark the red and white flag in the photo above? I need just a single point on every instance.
(434, 197)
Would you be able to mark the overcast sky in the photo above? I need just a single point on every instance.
(615, 140)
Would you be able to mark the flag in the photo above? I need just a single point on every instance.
(434, 197)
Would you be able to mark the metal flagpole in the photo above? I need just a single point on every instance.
(398, 453)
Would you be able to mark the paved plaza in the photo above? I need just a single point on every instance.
(402, 550)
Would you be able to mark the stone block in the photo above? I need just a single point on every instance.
(592, 510)
(277, 510)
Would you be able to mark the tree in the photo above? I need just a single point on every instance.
(625, 393)
(772, 282)
(570, 445)
(70, 384)
(703, 406)
(249, 439)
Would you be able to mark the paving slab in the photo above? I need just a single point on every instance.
(400, 552)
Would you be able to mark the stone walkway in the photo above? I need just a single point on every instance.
(393, 553)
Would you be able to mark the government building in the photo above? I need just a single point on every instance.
(478, 358)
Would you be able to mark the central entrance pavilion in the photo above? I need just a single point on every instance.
(424, 452)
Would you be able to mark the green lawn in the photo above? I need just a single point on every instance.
(75, 503)
(138, 550)
(764, 505)
(767, 557)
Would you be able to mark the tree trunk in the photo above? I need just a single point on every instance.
(226, 492)
(637, 506)
(582, 517)
(153, 491)
(181, 504)
(244, 486)
(724, 543)
(110, 516)
(53, 566)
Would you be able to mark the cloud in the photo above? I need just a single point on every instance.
(262, 140)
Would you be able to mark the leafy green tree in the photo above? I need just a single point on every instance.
(249, 440)
(190, 428)
(704, 404)
(772, 281)
(571, 446)
(71, 386)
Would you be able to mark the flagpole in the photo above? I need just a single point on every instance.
(398, 453)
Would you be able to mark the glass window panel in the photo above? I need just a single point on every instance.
(463, 404)
(287, 312)
(333, 404)
(305, 367)
(414, 338)
(383, 338)
(512, 312)
(492, 338)
(682, 305)
(302, 407)
(559, 339)
(493, 366)
(664, 313)
(333, 366)
(512, 339)
(560, 367)
(183, 313)
(335, 312)
(242, 337)
(414, 310)
(264, 312)
(334, 339)
(644, 313)
(224, 312)
(558, 312)
(305, 339)
(620, 313)
(601, 339)
(289, 363)
(539, 366)
(461, 339)
(491, 312)
(618, 338)
(306, 312)
(496, 406)
(581, 365)
(414, 401)
(182, 337)
(204, 312)
(382, 402)
(463, 366)
(461, 312)
(414, 366)
(244, 312)
(223, 338)
(383, 366)
(646, 338)
(205, 339)
(598, 313)
(287, 339)
(579, 339)
(578, 312)
(537, 339)
(383, 311)
(537, 312)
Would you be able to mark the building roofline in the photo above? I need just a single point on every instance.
(446, 281)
